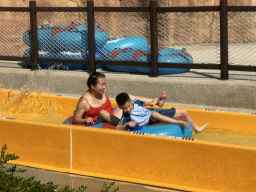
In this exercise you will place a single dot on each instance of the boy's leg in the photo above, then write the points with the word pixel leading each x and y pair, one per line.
pixel 105 116
pixel 158 117
pixel 183 112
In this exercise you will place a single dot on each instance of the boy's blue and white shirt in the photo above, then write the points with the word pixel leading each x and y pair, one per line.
pixel 139 114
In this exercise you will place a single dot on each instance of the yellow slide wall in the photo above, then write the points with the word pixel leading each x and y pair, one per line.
pixel 182 164
pixel 167 162
pixel 42 145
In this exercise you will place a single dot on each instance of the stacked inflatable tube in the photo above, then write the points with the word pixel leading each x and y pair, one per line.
pixel 73 40
pixel 165 55
pixel 57 42
pixel 133 42
pixel 63 55
pixel 42 54
pixel 155 129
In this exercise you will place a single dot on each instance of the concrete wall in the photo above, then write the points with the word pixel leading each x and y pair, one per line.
pixel 197 91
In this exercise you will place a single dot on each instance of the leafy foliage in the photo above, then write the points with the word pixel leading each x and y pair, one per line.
pixel 11 183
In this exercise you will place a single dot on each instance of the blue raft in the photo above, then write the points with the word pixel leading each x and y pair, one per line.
pixel 66 38
pixel 155 129
pixel 63 55
pixel 165 55
pixel 41 54
pixel 134 42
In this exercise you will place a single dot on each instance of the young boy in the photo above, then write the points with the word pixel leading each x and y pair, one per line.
pixel 134 113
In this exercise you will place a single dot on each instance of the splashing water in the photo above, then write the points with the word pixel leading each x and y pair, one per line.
pixel 35 106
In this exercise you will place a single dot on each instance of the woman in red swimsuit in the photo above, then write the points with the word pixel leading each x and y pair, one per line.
pixel 95 104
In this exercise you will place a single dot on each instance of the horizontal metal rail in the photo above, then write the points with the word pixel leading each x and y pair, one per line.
pixel 241 8
pixel 15 58
pixel 15 9
pixel 132 9
pixel 64 61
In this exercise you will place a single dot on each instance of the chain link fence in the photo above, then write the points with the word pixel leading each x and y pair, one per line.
pixel 125 36
pixel 242 38
pixel 12 27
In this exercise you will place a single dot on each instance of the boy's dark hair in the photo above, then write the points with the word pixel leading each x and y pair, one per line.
pixel 122 98
pixel 94 79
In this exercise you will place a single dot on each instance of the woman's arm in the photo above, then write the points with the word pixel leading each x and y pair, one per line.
pixel 81 108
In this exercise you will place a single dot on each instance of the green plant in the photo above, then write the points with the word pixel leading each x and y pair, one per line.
pixel 11 183
pixel 105 187
pixel 5 158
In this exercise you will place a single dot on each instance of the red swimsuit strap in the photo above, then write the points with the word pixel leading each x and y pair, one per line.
pixel 85 100
pixel 106 102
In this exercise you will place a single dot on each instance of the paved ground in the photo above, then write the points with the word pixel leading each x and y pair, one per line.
pixel 75 181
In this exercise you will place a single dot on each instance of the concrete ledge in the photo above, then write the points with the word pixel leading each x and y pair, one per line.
pixel 192 88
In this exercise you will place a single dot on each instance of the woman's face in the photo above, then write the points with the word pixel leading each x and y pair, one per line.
pixel 100 87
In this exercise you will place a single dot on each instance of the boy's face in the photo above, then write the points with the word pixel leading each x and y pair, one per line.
pixel 127 107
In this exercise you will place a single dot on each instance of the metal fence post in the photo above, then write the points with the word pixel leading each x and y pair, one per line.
pixel 153 38
pixel 91 35
pixel 33 35
pixel 224 39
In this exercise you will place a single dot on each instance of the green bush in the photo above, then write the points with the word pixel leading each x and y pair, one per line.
pixel 11 183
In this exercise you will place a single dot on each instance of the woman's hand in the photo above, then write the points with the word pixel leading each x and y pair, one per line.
pixel 89 120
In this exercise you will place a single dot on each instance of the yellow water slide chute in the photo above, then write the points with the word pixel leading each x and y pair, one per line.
pixel 160 161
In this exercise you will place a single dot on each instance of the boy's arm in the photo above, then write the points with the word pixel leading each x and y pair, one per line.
pixel 143 103
pixel 122 123
pixel 148 101
pixel 152 103
pixel 131 124
pixel 144 99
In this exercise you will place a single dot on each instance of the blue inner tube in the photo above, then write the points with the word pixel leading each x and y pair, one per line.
pixel 76 55
pixel 167 55
pixel 157 129
pixel 41 54
pixel 101 38
pixel 43 38
pixel 62 55
pixel 127 42
pixel 70 40
pixel 164 130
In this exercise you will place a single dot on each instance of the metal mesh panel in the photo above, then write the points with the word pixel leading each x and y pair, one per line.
pixel 60 31
pixel 197 32
pixel 242 38
pixel 60 18
pixel 12 27
pixel 127 33
pixel 122 25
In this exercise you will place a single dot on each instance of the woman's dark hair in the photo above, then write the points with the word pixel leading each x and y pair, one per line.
pixel 94 79
pixel 122 98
